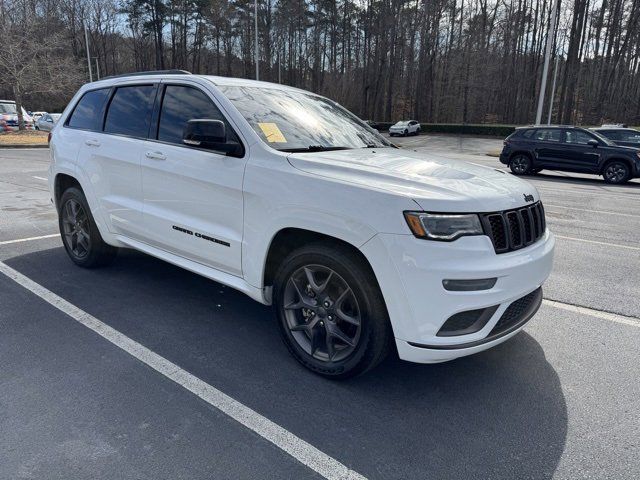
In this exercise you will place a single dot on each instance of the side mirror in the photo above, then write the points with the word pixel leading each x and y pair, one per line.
pixel 593 143
pixel 204 133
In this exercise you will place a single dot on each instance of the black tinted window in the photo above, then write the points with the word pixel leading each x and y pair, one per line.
pixel 130 109
pixel 577 136
pixel 547 135
pixel 181 104
pixel 87 112
pixel 629 136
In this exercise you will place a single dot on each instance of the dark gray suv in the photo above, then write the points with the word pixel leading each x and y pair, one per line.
pixel 571 149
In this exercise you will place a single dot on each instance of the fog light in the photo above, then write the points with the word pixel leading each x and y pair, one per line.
pixel 469 285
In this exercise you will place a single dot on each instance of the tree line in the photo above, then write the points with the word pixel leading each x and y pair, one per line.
pixel 440 61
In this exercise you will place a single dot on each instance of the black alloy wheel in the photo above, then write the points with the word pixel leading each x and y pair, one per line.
pixel 75 228
pixel 616 172
pixel 80 235
pixel 322 313
pixel 520 164
pixel 331 313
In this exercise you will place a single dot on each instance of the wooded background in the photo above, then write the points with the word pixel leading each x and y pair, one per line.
pixel 454 61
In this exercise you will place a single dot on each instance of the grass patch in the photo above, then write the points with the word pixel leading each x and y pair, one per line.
pixel 27 137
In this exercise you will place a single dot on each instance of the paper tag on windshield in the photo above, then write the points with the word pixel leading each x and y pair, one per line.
pixel 272 132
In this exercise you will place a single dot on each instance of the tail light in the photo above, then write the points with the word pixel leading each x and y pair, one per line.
pixel 49 138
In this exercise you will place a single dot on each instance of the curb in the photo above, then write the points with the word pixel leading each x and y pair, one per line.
pixel 26 145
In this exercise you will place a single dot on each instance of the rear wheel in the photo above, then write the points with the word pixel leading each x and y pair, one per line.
pixel 80 235
pixel 330 311
pixel 616 172
pixel 520 164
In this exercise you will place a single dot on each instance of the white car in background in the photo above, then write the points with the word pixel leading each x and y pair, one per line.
pixel 405 128
pixel 284 195
pixel 47 121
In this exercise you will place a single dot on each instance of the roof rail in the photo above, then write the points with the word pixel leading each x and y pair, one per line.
pixel 150 72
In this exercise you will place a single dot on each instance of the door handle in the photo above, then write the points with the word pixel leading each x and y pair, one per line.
pixel 155 155
pixel 92 143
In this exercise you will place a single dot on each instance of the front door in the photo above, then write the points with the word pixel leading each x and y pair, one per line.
pixel 580 156
pixel 193 201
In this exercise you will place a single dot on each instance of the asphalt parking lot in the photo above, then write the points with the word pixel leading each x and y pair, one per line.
pixel 558 401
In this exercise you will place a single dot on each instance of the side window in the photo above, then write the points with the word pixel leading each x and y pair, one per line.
pixel 577 137
pixel 612 134
pixel 629 136
pixel 547 135
pixel 129 111
pixel 528 134
pixel 181 104
pixel 87 112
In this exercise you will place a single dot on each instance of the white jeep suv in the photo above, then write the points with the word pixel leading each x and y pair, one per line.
pixel 286 196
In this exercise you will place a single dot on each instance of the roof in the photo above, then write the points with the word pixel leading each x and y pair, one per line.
pixel 216 80
pixel 550 126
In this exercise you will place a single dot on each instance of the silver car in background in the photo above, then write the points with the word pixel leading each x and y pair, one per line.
pixel 47 121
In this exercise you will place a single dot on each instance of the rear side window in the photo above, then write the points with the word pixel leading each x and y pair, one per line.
pixel 547 135
pixel 130 111
pixel 181 104
pixel 527 133
pixel 87 113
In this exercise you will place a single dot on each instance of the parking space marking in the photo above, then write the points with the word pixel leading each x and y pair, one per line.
pixel 548 205
pixel 629 247
pixel 29 239
pixel 40 178
pixel 302 451
pixel 612 317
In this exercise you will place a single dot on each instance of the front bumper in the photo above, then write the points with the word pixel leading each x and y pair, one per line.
pixel 410 272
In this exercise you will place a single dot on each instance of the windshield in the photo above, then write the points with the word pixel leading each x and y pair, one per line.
pixel 9 108
pixel 402 124
pixel 289 120
pixel 55 116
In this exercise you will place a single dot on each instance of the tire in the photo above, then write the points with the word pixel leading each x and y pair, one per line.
pixel 79 232
pixel 520 164
pixel 342 288
pixel 406 133
pixel 616 172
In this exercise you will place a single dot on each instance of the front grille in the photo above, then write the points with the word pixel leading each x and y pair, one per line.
pixel 518 311
pixel 514 229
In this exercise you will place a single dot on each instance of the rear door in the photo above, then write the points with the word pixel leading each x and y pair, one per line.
pixel 547 147
pixel 579 155
pixel 110 157
pixel 193 200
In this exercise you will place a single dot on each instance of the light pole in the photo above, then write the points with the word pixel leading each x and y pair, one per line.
pixel 86 40
pixel 553 89
pixel 255 18
pixel 547 54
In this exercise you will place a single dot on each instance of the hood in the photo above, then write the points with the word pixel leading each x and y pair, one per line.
pixel 436 183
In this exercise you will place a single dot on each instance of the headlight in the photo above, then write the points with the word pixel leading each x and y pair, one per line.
pixel 443 226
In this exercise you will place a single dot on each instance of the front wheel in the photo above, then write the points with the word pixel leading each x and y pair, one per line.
pixel 330 311
pixel 616 172
pixel 520 165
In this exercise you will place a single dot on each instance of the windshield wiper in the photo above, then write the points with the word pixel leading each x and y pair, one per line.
pixel 313 148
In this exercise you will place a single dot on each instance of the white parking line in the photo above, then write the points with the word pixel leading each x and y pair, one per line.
pixel 40 178
pixel 617 245
pixel 612 317
pixel 302 451
pixel 548 205
pixel 29 239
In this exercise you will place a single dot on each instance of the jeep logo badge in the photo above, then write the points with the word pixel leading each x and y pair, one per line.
pixel 528 198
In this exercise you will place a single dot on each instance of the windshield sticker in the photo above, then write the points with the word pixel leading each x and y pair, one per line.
pixel 272 133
